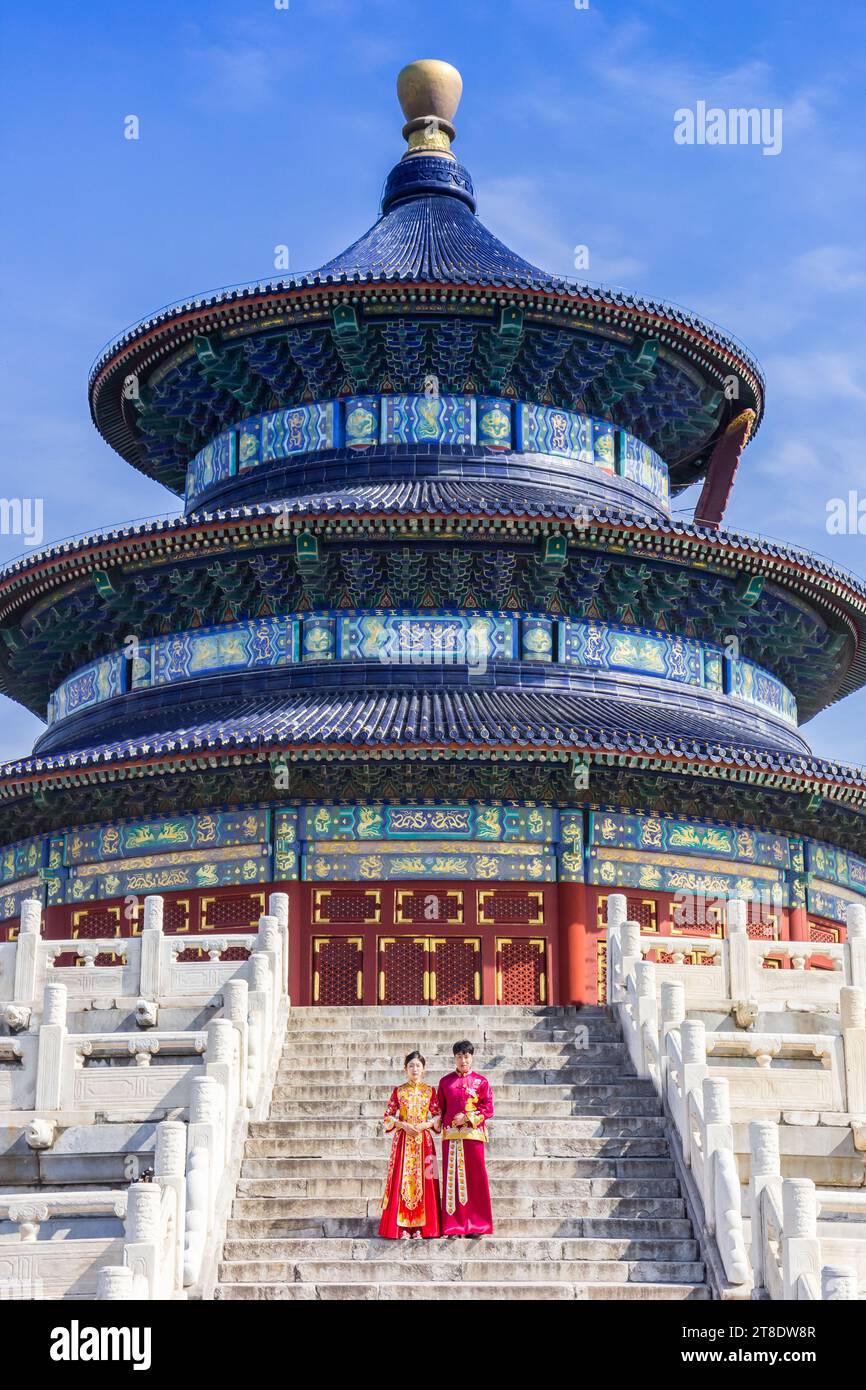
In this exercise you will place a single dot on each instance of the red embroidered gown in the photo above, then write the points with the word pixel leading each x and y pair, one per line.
pixel 411 1198
pixel 466 1210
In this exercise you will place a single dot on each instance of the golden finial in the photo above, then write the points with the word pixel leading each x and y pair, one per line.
pixel 429 92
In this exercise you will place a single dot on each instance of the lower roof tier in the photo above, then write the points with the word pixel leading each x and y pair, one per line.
pixel 429 545
pixel 410 652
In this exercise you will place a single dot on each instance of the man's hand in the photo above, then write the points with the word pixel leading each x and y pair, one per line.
pixel 460 1120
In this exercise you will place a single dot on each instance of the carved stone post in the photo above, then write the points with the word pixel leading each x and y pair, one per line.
pixel 52 1036
pixel 169 1170
pixel 236 1011
pixel 114 1282
pixel 855 920
pixel 672 1013
pixel 151 948
pixel 27 952
pixel 270 941
pixel 718 1134
pixel 693 1045
pixel 203 1170
pixel 739 980
pixel 278 906
pixel 221 1065
pixel 837 1282
pixel 852 1011
pixel 801 1249
pixel 646 1011
pixel 764 1171
pixel 616 913
pixel 142 1233
pixel 259 1019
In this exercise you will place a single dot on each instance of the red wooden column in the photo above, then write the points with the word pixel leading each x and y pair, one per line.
pixel 572 943
pixel 798 924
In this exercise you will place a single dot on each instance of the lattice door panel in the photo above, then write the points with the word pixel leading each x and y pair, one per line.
pixel 338 970
pixel 91 922
pixel 456 970
pixel 820 930
pixel 404 970
pixel 175 915
pixel 428 907
pixel 505 907
pixel 241 910
pixel 355 905
pixel 642 910
pixel 521 970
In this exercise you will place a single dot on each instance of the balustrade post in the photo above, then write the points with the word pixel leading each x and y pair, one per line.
pixel 278 906
pixel 616 913
pixel 801 1249
pixel 206 1149
pixel 169 1170
pixel 718 1134
pixel 739 980
pixel 27 949
pixel 114 1282
pixel 236 1012
pixel 838 1282
pixel 221 1063
pixel 143 1237
pixel 50 1059
pixel 764 1171
pixel 855 921
pixel 646 1011
pixel 852 1017
pixel 150 984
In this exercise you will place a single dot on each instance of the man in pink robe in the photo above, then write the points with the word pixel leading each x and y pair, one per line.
pixel 466 1103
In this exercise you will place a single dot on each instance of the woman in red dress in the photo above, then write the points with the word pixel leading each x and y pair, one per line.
pixel 410 1203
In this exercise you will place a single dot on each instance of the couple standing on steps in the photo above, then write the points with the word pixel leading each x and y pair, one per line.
pixel 458 1110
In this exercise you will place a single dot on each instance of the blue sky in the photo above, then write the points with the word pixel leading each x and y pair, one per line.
pixel 262 126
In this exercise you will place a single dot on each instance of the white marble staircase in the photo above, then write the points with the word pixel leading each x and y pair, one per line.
pixel 586 1203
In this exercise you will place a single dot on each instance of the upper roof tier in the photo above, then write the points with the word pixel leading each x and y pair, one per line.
pixel 427 292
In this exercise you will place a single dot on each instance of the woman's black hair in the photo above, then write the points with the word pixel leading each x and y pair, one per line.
pixel 464 1046
pixel 414 1056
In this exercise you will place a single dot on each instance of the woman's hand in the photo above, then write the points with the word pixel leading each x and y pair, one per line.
pixel 411 1130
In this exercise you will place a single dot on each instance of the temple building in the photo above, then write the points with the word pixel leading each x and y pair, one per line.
pixel 426 648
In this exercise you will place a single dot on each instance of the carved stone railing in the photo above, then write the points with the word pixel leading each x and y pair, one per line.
pixel 731 975
pixel 218 1078
pixel 672 1050
pixel 144 972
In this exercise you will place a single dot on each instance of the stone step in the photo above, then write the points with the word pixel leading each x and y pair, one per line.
pixel 583 1103
pixel 391 1052
pixel 246 1229
pixel 374 1016
pixel 371 1188
pixel 382 1055
pixel 383 1079
pixel 421 1270
pixel 502 1145
pixel 474 1292
pixel 524 1248
pixel 524 1170
pixel 577 1129
pixel 262 1207
pixel 324 1086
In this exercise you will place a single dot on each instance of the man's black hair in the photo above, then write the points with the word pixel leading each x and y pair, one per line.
pixel 464 1046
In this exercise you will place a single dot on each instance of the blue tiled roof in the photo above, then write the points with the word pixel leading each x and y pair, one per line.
pixel 523 719
pixel 435 239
